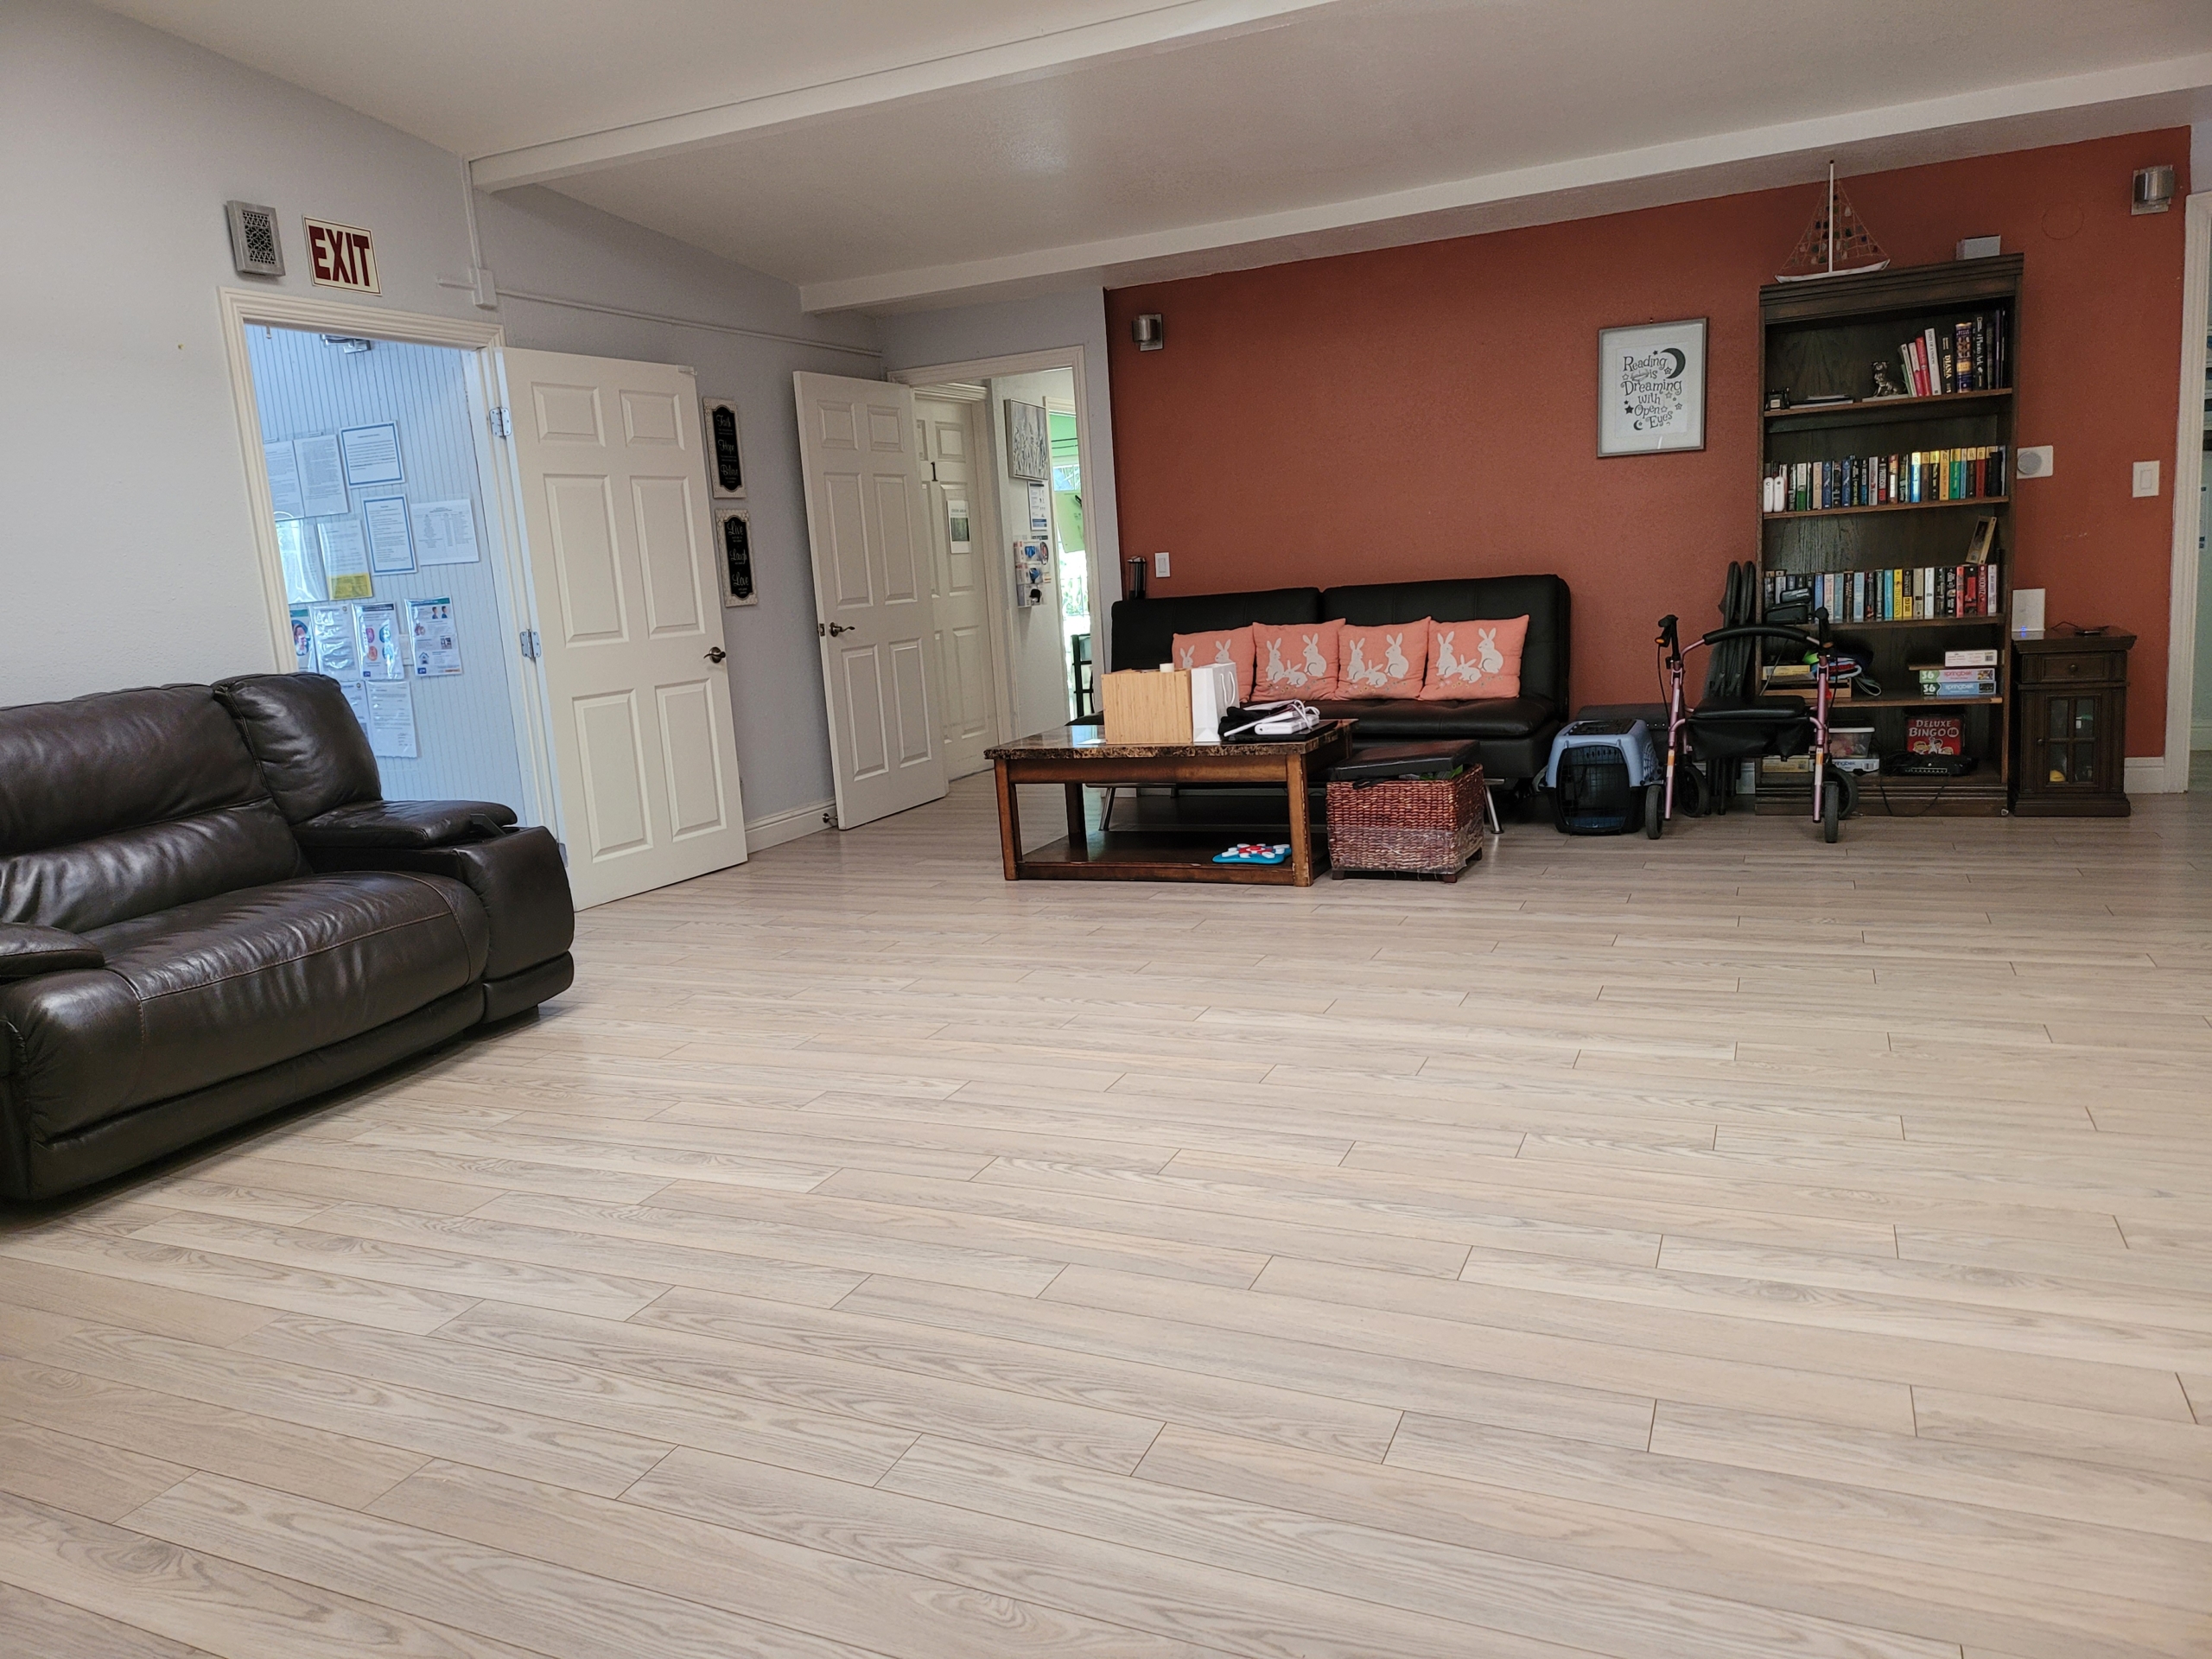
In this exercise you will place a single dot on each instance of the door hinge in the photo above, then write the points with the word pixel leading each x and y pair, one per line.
pixel 501 426
pixel 529 644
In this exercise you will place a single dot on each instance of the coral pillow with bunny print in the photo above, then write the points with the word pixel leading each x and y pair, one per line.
pixel 1475 659
pixel 1235 648
pixel 1295 660
pixel 1382 662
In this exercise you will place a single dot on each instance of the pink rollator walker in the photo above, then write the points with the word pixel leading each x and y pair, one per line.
pixel 1728 726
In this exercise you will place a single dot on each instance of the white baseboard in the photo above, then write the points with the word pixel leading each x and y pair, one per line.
pixel 2146 775
pixel 777 828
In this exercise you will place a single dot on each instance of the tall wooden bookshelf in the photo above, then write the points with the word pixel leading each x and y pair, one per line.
pixel 1823 338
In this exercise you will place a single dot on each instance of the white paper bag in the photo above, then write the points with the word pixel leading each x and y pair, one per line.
pixel 1213 693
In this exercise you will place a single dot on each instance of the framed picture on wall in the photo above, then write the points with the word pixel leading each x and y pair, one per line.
pixel 1028 447
pixel 1651 388
pixel 734 537
pixel 725 463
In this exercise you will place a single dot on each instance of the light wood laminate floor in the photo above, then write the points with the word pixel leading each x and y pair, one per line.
pixel 1724 1249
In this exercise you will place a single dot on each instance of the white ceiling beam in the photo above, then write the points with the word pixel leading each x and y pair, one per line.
pixel 1183 24
pixel 2174 90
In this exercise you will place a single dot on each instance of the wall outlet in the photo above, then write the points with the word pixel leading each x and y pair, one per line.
pixel 1160 566
pixel 2036 462
pixel 2146 477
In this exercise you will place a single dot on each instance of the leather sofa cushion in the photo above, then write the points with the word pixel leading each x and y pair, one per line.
pixel 405 823
pixel 302 730
pixel 25 950
pixel 224 985
pixel 1471 717
pixel 1145 629
pixel 127 803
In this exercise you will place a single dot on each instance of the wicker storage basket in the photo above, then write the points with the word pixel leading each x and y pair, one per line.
pixel 1414 826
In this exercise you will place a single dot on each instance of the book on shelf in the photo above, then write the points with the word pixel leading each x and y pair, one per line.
pixel 1910 478
pixel 1936 681
pixel 1929 593
pixel 1967 356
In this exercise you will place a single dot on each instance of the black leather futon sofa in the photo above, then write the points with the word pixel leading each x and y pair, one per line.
pixel 208 911
pixel 1513 735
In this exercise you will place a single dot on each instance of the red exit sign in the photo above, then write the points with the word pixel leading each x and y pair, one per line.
pixel 340 255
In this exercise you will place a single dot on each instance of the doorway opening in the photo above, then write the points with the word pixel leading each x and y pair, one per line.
pixel 377 507
pixel 1044 655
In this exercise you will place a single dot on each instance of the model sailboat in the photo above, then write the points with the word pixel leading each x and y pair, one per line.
pixel 1836 243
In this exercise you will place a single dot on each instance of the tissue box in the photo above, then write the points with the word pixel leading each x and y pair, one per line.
pixel 1146 705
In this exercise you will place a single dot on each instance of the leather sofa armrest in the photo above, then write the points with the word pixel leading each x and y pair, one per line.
pixel 404 823
pixel 26 950
pixel 518 876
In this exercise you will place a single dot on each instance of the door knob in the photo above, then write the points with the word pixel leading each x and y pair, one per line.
pixel 716 654
pixel 831 630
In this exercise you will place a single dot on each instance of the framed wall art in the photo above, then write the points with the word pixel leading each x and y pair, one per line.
pixel 733 538
pixel 1028 446
pixel 1651 388
pixel 725 464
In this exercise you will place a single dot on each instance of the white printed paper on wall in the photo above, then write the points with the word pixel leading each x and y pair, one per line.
pixel 1041 511
pixel 433 640
pixel 383 651
pixel 344 557
pixel 303 642
pixel 322 477
pixel 445 531
pixel 391 720
pixel 391 550
pixel 372 454
pixel 284 479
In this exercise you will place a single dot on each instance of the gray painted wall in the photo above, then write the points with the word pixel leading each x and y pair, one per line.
pixel 129 558
pixel 539 242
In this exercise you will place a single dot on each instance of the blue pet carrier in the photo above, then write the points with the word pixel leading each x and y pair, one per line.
pixel 1603 776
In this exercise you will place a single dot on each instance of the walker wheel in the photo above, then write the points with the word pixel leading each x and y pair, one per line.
pixel 1655 805
pixel 1831 810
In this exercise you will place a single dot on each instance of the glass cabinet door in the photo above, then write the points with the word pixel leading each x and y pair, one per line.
pixel 2070 742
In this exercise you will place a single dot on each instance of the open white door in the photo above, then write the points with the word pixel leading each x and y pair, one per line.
pixel 613 491
pixel 970 684
pixel 870 545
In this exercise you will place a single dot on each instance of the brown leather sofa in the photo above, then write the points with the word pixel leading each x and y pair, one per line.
pixel 208 911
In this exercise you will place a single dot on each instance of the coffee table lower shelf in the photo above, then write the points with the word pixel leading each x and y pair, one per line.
pixel 1156 855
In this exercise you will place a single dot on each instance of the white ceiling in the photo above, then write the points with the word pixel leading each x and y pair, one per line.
pixel 882 156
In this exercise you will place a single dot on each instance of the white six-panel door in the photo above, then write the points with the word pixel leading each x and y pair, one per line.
pixel 613 497
pixel 968 671
pixel 869 540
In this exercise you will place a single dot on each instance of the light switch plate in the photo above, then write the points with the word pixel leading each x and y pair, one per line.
pixel 2146 477
pixel 1160 566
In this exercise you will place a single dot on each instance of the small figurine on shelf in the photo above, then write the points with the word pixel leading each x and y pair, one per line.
pixel 1884 386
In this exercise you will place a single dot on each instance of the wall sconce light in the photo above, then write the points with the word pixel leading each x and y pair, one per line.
pixel 1147 333
pixel 2154 190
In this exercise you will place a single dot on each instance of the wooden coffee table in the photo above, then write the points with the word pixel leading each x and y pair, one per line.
pixel 1079 756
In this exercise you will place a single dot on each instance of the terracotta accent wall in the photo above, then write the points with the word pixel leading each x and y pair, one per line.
pixel 1432 411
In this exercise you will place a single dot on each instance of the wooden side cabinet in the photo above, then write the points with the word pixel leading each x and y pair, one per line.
pixel 2070 725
